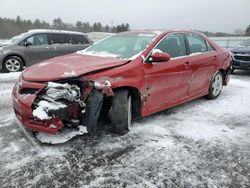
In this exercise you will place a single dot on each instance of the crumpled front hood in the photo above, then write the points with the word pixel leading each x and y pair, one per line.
pixel 67 66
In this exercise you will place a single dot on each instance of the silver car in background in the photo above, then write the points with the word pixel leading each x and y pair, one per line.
pixel 37 45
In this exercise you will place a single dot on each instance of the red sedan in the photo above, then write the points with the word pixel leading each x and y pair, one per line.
pixel 123 77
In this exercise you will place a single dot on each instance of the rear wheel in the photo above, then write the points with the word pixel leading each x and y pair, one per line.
pixel 216 85
pixel 121 111
pixel 13 64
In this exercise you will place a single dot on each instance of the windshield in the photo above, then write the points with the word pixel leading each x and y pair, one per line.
pixel 15 38
pixel 120 46
pixel 245 43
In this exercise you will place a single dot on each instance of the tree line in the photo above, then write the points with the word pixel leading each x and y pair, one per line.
pixel 221 34
pixel 11 27
pixel 247 32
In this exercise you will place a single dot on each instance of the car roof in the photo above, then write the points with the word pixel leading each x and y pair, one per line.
pixel 159 31
pixel 55 31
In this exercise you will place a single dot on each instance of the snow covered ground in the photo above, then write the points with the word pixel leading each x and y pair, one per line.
pixel 199 144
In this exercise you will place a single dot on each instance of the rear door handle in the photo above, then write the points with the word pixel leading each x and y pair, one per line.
pixel 46 47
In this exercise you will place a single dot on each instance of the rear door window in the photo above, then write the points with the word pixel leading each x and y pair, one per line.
pixel 173 44
pixel 38 39
pixel 59 38
pixel 196 44
pixel 79 39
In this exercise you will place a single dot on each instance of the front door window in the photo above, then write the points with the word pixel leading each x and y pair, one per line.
pixel 174 45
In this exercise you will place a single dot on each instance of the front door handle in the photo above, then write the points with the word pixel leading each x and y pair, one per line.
pixel 46 47
pixel 187 64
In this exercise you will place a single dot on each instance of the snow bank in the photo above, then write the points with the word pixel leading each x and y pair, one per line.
pixel 9 77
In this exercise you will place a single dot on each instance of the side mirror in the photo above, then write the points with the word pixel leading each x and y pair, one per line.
pixel 160 57
pixel 27 43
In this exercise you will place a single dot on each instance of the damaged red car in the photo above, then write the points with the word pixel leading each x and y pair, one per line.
pixel 123 77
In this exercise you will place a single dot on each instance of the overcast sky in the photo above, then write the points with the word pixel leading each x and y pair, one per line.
pixel 211 15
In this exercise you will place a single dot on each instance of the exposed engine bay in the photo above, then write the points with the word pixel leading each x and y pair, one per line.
pixel 55 99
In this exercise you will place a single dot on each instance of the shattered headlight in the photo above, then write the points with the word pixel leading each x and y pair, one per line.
pixel 102 84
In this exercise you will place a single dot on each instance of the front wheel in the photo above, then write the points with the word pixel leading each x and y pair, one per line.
pixel 13 64
pixel 216 85
pixel 121 111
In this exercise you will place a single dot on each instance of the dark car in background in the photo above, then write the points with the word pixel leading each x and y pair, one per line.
pixel 241 56
pixel 37 45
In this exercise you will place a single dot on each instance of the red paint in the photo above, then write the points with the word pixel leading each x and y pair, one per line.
pixel 161 85
pixel 73 64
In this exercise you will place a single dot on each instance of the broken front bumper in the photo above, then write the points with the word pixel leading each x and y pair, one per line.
pixel 77 105
pixel 22 104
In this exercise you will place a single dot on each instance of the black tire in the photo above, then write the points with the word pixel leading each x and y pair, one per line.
pixel 232 71
pixel 121 111
pixel 13 64
pixel 216 85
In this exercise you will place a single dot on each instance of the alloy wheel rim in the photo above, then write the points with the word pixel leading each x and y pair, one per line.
pixel 12 65
pixel 217 85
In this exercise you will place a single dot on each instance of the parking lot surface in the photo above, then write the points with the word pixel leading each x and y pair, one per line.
pixel 203 143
